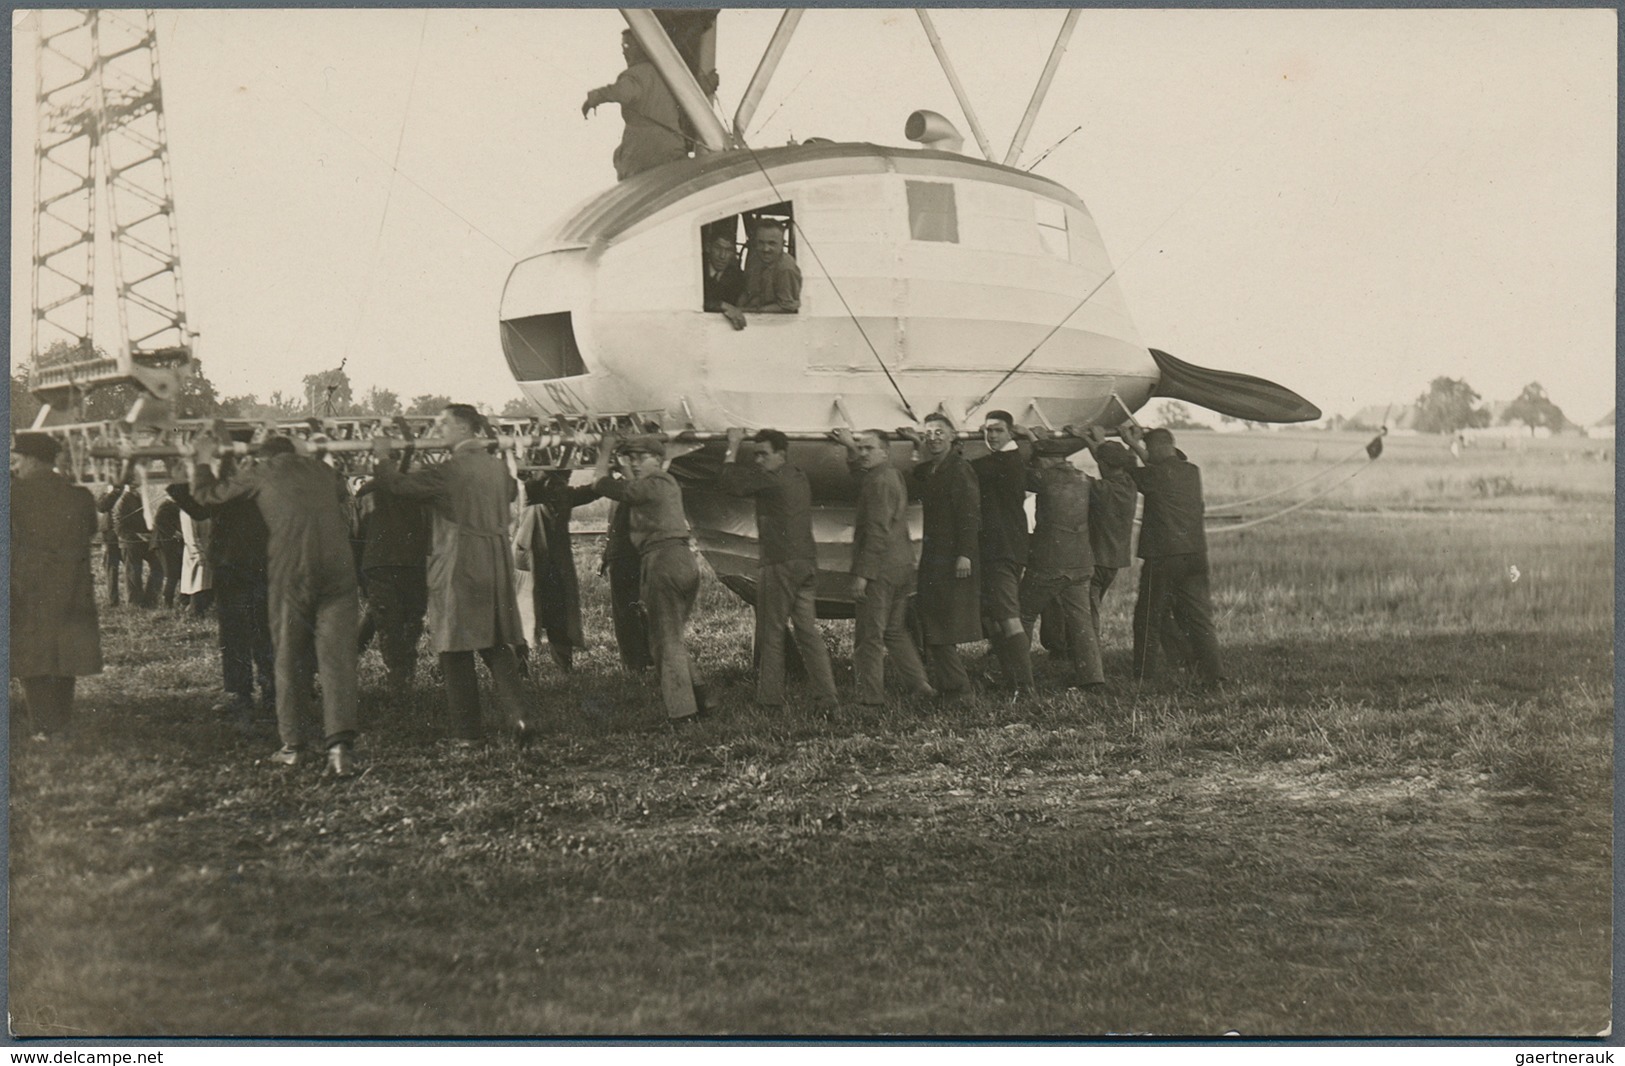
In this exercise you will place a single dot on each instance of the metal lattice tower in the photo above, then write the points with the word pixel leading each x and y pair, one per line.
pixel 102 156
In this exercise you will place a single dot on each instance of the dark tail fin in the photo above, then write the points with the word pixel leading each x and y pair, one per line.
pixel 1237 395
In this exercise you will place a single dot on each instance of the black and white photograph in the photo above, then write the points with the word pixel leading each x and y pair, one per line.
pixel 835 523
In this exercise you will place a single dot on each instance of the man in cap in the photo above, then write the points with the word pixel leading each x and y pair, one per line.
pixel 1001 480
pixel 669 579
pixel 1060 563
pixel 1173 554
pixel 948 595
pixel 787 577
pixel 883 573
pixel 472 604
pixel 312 589
pixel 54 633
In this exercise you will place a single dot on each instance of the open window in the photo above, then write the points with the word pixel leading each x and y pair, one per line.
pixel 540 347
pixel 933 214
pixel 725 250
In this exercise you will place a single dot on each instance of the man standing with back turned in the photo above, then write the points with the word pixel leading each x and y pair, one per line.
pixel 786 589
pixel 312 589
pixel 472 605
pixel 1173 553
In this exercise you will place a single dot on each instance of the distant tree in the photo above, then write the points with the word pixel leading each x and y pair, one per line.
pixel 278 407
pixel 1534 409
pixel 1246 423
pixel 382 402
pixel 329 393
pixel 1448 407
pixel 519 407
pixel 1171 414
pixel 427 404
pixel 199 398
pixel 23 405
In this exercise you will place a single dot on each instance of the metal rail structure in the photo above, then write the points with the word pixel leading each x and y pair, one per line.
pixel 102 179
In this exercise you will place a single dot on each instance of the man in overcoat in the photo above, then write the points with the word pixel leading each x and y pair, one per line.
pixel 949 591
pixel 787 575
pixel 1001 479
pixel 1060 562
pixel 472 603
pixel 620 564
pixel 555 586
pixel 669 578
pixel 883 573
pixel 54 633
pixel 1174 594
pixel 311 587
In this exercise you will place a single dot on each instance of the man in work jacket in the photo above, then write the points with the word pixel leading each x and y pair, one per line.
pixel 653 132
pixel 1001 479
pixel 787 578
pixel 1060 563
pixel 312 589
pixel 669 579
pixel 948 596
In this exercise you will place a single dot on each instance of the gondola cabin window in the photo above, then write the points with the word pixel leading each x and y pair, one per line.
pixel 1052 232
pixel 726 258
pixel 932 213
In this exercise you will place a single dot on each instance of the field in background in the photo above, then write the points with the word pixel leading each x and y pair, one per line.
pixel 1395 820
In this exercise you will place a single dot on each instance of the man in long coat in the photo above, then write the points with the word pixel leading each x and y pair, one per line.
pixel 669 578
pixel 311 588
pixel 54 634
pixel 620 564
pixel 555 588
pixel 949 592
pixel 472 605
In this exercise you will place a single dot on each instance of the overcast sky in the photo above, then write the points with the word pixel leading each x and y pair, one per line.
pixel 1348 202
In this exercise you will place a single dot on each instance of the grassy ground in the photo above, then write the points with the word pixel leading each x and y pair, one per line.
pixel 1396 820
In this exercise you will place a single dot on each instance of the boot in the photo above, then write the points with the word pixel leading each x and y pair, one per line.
pixel 1015 656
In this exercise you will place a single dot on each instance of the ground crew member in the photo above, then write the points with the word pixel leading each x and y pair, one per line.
pixel 620 563
pixel 55 638
pixel 883 573
pixel 1001 480
pixel 312 589
pixel 947 598
pixel 1112 498
pixel 472 605
pixel 653 132
pixel 1173 553
pixel 787 578
pixel 130 525
pixel 669 579
pixel 394 558
pixel 1060 563
pixel 555 588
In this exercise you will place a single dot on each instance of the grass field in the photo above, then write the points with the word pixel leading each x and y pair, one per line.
pixel 1395 820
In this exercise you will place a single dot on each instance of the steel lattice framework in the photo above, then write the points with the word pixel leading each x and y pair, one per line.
pixel 102 178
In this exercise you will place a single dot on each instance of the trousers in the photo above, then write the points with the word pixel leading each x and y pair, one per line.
pixel 787 596
pixel 245 632
pixel 1175 603
pixel 1071 595
pixel 626 613
pixel 140 573
pixel 315 633
pixel 881 630
pixel 397 600
pixel 463 689
pixel 670 584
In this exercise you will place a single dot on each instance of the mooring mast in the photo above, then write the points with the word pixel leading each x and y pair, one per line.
pixel 102 178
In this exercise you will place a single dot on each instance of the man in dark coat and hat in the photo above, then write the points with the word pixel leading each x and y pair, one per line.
pixel 54 634
pixel 948 595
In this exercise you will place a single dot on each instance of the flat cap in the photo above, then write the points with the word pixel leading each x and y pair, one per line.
pixel 41 446
pixel 1111 453
pixel 643 444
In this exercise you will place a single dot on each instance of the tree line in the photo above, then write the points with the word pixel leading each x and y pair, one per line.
pixel 327 393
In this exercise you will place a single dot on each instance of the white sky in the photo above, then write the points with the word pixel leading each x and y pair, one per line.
pixel 1348 202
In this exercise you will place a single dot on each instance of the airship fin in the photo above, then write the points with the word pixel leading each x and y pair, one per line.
pixel 1228 393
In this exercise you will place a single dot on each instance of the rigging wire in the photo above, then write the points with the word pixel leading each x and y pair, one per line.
pixel 389 190
pixel 1306 501
pixel 1295 485
pixel 1028 169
